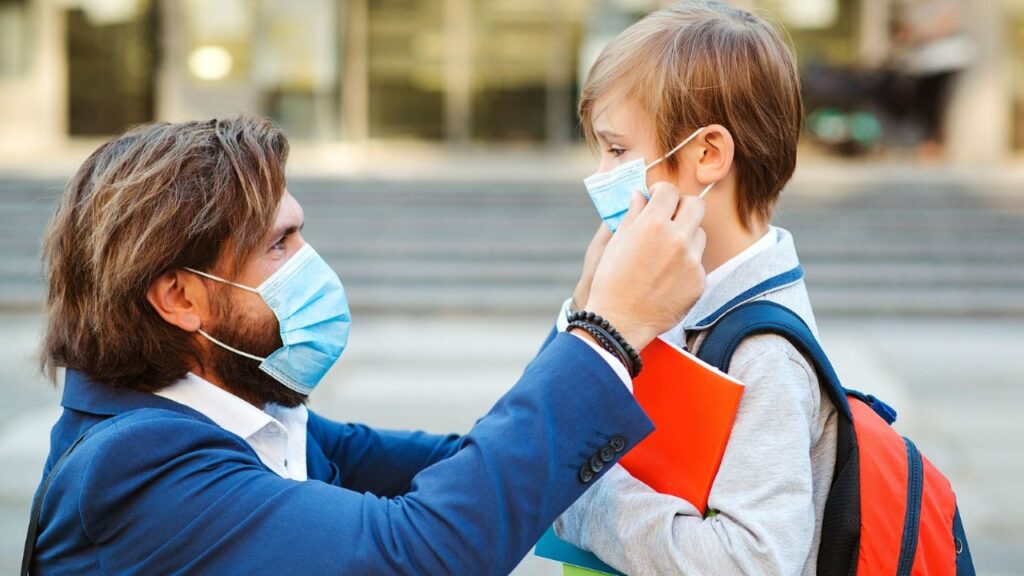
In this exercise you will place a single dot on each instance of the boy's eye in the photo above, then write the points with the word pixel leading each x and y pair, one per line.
pixel 616 151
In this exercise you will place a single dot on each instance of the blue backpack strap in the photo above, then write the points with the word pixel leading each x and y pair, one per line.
pixel 763 317
pixel 840 530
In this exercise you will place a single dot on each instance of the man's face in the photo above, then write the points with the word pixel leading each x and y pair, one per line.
pixel 242 320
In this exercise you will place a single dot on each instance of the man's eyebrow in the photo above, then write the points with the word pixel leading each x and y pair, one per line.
pixel 283 231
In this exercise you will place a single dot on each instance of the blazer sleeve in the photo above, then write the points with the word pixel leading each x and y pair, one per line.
pixel 382 462
pixel 173 493
pixel 551 338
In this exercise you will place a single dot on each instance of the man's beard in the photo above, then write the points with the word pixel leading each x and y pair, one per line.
pixel 241 375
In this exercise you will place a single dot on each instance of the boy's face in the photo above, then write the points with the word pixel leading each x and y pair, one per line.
pixel 625 132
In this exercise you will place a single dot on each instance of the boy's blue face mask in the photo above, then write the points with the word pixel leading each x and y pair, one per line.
pixel 312 310
pixel 611 191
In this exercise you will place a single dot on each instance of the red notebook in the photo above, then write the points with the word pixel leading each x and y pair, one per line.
pixel 693 406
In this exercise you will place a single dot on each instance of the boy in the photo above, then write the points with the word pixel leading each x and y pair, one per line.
pixel 724 77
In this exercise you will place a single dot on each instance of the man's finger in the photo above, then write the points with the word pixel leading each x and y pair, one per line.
pixel 602 235
pixel 664 200
pixel 690 212
pixel 698 243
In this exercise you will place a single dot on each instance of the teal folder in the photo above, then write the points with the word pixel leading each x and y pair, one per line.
pixel 554 548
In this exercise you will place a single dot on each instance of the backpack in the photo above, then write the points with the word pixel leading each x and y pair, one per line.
pixel 889 510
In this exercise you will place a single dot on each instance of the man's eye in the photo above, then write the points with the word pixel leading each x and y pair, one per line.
pixel 616 151
pixel 279 245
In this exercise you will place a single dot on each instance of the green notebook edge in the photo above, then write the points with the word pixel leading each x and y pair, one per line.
pixel 570 570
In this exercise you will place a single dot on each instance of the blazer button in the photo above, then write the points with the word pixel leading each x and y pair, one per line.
pixel 596 464
pixel 586 475
pixel 618 443
pixel 606 453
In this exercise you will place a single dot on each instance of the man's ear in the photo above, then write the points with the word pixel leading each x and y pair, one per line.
pixel 715 148
pixel 180 299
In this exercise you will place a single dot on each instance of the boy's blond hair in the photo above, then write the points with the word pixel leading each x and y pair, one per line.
pixel 702 63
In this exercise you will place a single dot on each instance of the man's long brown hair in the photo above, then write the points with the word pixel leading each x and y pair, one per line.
pixel 157 198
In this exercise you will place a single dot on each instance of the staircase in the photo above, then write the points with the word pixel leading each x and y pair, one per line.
pixel 504 247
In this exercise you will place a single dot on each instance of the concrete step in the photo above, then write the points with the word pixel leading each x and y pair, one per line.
pixel 503 246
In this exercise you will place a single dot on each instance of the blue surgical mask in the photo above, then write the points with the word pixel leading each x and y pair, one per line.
pixel 611 191
pixel 312 310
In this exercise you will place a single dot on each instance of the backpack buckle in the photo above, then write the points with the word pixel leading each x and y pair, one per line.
pixel 887 413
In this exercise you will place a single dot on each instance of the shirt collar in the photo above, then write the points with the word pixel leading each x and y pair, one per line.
pixel 769 271
pixel 769 265
pixel 277 434
pixel 226 410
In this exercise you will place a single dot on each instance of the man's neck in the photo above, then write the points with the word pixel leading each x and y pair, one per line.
pixel 212 378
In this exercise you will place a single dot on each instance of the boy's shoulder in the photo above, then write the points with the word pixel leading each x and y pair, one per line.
pixel 768 356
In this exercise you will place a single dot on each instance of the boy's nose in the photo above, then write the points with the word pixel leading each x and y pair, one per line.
pixel 606 165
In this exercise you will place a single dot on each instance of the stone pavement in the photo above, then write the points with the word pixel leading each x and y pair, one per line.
pixel 956 383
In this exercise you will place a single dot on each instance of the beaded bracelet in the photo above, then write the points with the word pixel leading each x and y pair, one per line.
pixel 604 340
pixel 608 338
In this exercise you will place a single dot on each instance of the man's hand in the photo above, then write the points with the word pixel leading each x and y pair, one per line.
pixel 590 262
pixel 651 273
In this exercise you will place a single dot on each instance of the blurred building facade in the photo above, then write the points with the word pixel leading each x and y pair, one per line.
pixel 447 71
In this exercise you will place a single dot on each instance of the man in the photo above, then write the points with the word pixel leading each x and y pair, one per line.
pixel 193 321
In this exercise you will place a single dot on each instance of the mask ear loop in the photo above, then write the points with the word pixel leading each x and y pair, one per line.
pixel 676 149
pixel 219 279
pixel 211 338
pixel 229 348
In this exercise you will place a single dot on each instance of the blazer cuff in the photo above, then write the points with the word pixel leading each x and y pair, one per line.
pixel 562 323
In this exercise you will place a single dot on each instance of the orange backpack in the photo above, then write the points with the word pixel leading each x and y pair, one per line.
pixel 889 510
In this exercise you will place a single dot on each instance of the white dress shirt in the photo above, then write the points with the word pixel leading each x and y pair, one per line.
pixel 277 434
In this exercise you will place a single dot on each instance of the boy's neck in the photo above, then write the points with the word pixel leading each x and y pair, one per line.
pixel 728 237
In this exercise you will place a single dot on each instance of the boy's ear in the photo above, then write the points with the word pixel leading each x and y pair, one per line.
pixel 716 148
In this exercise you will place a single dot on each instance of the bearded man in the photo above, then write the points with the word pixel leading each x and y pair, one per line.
pixel 191 321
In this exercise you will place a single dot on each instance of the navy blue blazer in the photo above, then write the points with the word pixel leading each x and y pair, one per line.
pixel 163 489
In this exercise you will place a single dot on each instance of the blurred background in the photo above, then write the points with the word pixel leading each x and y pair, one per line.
pixel 496 72
pixel 438 157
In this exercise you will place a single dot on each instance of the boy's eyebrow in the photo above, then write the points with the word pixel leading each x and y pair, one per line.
pixel 608 134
